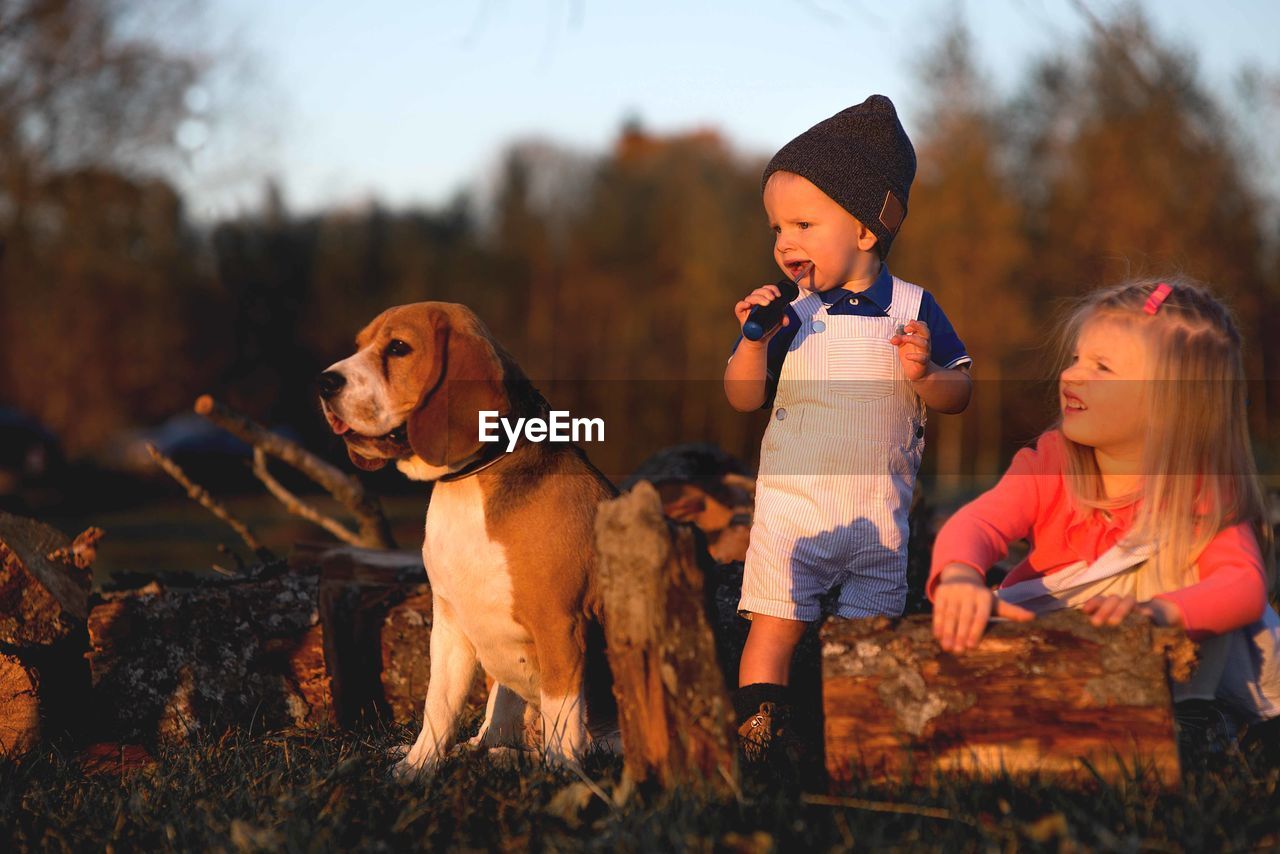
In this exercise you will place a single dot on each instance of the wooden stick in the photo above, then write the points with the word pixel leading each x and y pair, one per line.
pixel 201 496
pixel 885 806
pixel 375 532
pixel 296 506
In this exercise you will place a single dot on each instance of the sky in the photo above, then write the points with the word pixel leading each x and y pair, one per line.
pixel 408 102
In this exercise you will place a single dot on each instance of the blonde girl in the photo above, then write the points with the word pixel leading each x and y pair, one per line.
pixel 1144 496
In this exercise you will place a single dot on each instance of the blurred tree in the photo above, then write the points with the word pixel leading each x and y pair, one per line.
pixel 104 327
pixel 91 331
pixel 673 233
pixel 527 262
pixel 264 265
pixel 964 241
pixel 1135 169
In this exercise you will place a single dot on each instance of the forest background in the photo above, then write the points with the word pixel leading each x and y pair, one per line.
pixel 609 275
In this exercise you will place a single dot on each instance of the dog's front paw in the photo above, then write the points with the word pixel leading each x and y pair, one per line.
pixel 414 767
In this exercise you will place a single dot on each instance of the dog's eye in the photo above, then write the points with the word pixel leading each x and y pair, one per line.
pixel 398 348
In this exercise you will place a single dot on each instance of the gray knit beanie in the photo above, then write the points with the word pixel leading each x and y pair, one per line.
pixel 861 158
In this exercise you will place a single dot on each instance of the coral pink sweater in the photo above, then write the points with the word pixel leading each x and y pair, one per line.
pixel 1033 501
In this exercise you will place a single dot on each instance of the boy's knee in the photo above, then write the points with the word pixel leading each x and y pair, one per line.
pixel 778 629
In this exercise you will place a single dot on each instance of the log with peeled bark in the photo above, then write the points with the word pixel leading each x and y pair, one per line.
pixel 673 703
pixel 1057 697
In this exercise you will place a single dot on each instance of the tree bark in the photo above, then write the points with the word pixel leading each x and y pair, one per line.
pixel 44 586
pixel 1055 697
pixel 673 705
pixel 168 664
pixel 43 593
pixel 375 606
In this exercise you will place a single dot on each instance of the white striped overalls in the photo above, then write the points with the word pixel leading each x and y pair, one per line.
pixel 837 467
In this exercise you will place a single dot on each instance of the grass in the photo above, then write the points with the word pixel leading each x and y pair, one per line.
pixel 328 790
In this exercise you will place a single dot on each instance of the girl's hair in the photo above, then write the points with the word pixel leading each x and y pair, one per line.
pixel 1199 475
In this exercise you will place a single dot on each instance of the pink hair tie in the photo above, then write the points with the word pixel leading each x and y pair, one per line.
pixel 1157 298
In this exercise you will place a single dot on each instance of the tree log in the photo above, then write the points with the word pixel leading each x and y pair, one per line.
pixel 43 593
pixel 19 708
pixel 673 705
pixel 44 586
pixel 166 664
pixel 375 606
pixel 1054 697
pixel 406 659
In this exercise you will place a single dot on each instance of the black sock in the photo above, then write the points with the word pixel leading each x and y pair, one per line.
pixel 747 699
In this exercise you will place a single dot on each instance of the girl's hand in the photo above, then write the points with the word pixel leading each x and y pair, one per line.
pixel 760 296
pixel 914 349
pixel 962 606
pixel 1111 610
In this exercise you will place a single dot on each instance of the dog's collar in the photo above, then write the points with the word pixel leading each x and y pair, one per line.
pixel 481 460
pixel 475 465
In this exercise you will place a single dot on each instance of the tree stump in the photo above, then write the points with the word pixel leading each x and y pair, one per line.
pixel 673 705
pixel 1044 698
pixel 406 658
pixel 167 664
pixel 375 606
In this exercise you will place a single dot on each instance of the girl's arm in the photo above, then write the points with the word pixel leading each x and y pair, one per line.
pixel 1232 589
pixel 974 538
pixel 979 533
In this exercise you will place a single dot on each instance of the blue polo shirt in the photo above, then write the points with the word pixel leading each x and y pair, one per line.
pixel 947 350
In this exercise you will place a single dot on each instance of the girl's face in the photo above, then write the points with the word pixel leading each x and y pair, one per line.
pixel 1103 392
pixel 815 239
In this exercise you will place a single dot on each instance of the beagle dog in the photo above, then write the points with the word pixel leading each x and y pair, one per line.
pixel 509 548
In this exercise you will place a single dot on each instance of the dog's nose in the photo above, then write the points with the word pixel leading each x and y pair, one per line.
pixel 330 383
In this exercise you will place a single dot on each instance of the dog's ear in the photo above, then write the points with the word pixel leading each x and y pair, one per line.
pixel 467 377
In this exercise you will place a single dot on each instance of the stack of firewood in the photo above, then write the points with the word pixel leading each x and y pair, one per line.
pixel 44 595
pixel 338 635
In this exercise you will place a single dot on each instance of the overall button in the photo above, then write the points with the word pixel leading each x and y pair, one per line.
pixel 819 326
pixel 781 414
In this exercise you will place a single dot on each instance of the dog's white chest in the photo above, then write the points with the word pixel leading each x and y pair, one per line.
pixel 469 571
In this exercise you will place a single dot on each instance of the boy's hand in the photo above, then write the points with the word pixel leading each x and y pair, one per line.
pixel 760 296
pixel 914 349
pixel 1111 610
pixel 962 606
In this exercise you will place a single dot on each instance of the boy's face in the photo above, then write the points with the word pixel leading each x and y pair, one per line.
pixel 814 236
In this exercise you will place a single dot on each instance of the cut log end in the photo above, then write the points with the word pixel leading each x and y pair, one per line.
pixel 19 708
